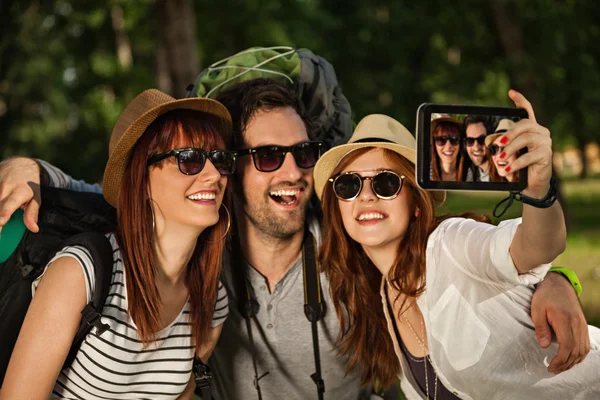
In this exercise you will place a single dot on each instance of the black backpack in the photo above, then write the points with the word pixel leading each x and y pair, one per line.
pixel 66 218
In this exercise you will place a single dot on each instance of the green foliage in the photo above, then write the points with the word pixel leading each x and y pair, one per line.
pixel 62 85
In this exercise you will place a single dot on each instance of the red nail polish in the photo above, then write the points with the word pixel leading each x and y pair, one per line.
pixel 503 154
pixel 504 140
pixel 507 169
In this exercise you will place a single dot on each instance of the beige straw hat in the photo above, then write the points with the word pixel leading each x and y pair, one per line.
pixel 503 126
pixel 372 131
pixel 137 116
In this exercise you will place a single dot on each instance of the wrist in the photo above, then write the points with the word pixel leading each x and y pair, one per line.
pixel 561 275
pixel 537 193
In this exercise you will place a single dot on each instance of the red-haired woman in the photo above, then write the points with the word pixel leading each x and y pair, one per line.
pixel 447 158
pixel 455 321
pixel 166 175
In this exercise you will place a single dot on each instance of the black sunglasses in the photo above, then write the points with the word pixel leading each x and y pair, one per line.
pixel 191 161
pixel 441 140
pixel 386 185
pixel 479 139
pixel 270 158
pixel 495 149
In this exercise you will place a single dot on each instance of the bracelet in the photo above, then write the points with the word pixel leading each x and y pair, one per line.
pixel 545 202
pixel 571 277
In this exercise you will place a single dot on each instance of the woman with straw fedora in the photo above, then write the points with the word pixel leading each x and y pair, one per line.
pixel 499 159
pixel 442 303
pixel 167 177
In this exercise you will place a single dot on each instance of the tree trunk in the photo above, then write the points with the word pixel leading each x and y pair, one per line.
pixel 510 36
pixel 581 143
pixel 122 40
pixel 177 53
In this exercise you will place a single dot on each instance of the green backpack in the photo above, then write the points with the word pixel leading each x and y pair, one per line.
pixel 311 75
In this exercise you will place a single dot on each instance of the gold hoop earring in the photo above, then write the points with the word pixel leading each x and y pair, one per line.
pixel 151 212
pixel 226 230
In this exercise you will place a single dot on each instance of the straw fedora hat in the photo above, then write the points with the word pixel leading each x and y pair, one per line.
pixel 437 121
pixel 503 126
pixel 374 130
pixel 137 116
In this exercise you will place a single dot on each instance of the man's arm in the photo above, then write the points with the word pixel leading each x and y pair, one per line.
pixel 555 307
pixel 20 180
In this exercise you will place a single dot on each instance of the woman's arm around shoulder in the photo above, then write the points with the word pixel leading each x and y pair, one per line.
pixel 48 330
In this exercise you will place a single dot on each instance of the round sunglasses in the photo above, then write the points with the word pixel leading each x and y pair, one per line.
pixel 191 160
pixel 495 149
pixel 385 184
pixel 271 158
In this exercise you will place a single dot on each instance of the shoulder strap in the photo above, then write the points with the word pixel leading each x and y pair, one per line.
pixel 313 303
pixel 102 256
pixel 247 305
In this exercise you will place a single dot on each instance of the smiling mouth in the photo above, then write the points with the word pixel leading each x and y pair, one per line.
pixel 372 216
pixel 502 163
pixel 477 154
pixel 448 154
pixel 202 196
pixel 285 197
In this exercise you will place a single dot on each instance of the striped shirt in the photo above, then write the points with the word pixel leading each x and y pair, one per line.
pixel 115 365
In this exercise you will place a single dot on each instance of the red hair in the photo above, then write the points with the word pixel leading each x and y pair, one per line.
pixel 446 129
pixel 355 281
pixel 199 130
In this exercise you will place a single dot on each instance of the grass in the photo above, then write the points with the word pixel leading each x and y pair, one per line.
pixel 582 254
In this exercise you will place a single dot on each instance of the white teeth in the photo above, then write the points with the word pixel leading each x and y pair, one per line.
pixel 502 163
pixel 448 153
pixel 202 196
pixel 370 216
pixel 282 192
pixel 477 154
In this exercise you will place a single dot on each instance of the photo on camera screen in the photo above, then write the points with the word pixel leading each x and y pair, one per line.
pixel 464 150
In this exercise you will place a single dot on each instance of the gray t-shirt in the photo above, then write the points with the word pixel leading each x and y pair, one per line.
pixel 283 340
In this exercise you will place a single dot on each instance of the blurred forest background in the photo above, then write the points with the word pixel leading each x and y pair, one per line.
pixel 68 68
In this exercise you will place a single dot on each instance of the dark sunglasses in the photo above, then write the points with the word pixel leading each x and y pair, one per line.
pixel 271 158
pixel 441 140
pixel 386 185
pixel 495 149
pixel 479 139
pixel 191 161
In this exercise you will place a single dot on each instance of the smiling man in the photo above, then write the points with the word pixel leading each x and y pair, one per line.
pixel 271 357
pixel 476 131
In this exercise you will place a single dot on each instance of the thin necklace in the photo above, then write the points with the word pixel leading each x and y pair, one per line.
pixel 422 344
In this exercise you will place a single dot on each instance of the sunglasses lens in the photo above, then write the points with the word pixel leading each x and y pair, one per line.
pixel 454 140
pixel 224 161
pixel 191 162
pixel 440 140
pixel 470 141
pixel 307 154
pixel 386 184
pixel 493 148
pixel 347 186
pixel 268 159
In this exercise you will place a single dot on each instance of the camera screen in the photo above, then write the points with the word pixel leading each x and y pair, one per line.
pixel 468 148
pixel 461 147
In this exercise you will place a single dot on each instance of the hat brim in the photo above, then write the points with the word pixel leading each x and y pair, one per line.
pixel 119 157
pixel 331 159
pixel 489 139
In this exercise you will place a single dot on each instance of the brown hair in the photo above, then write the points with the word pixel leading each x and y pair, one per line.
pixel 245 99
pixel 450 129
pixel 355 281
pixel 135 239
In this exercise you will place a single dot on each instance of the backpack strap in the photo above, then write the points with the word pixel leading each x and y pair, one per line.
pixel 202 377
pixel 247 305
pixel 102 256
pixel 313 303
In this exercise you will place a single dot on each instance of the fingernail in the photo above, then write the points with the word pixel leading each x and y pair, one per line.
pixel 503 154
pixel 504 140
pixel 507 169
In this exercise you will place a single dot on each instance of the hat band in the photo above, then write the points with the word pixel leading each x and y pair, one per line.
pixel 373 140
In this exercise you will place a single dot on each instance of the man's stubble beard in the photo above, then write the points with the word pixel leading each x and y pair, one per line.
pixel 272 223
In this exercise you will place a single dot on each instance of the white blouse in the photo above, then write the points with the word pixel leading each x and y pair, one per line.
pixel 481 337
